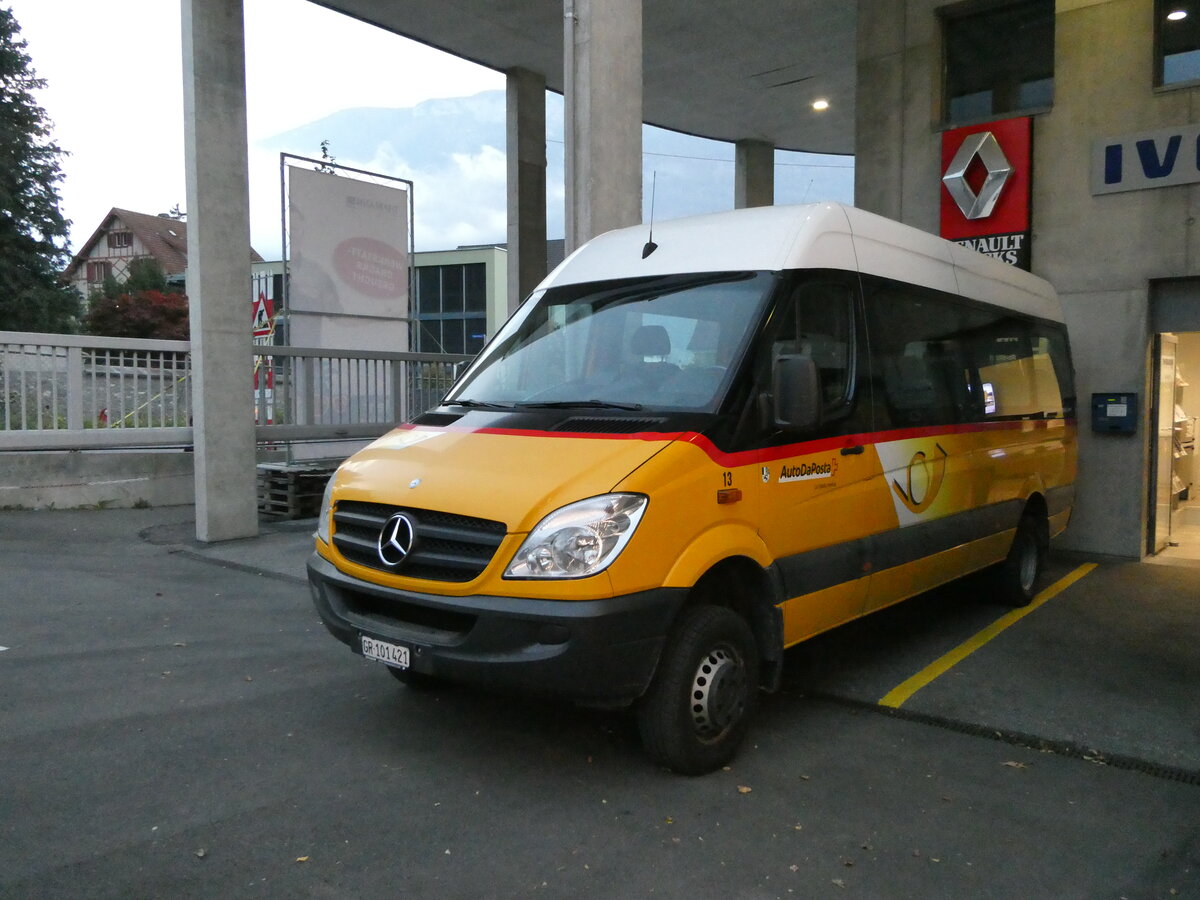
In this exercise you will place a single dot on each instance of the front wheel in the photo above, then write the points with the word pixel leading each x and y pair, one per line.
pixel 697 710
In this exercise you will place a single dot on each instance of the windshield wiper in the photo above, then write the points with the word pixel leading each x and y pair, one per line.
pixel 479 404
pixel 578 404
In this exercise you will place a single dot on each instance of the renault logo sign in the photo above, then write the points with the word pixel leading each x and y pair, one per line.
pixel 984 146
pixel 989 214
pixel 395 540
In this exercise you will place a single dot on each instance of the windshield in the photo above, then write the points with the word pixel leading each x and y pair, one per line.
pixel 668 342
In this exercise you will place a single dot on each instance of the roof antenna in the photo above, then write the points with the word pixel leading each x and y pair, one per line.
pixel 650 245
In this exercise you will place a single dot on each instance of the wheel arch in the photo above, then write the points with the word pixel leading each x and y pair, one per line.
pixel 739 583
pixel 1037 509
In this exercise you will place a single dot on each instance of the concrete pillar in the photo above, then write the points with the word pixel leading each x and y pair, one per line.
pixel 526 151
pixel 753 174
pixel 218 276
pixel 602 56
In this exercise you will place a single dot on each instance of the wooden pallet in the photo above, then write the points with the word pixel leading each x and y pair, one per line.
pixel 292 491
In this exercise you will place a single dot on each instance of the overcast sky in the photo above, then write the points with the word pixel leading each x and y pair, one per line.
pixel 115 92
pixel 115 97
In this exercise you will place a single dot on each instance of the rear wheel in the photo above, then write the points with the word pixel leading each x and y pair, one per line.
pixel 697 710
pixel 1018 575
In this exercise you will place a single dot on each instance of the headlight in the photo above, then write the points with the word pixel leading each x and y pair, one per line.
pixel 323 518
pixel 580 539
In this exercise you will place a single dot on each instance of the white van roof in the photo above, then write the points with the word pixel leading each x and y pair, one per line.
pixel 815 235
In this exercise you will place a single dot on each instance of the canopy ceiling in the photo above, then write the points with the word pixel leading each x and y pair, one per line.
pixel 727 69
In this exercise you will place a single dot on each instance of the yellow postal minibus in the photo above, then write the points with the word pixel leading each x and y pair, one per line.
pixel 680 457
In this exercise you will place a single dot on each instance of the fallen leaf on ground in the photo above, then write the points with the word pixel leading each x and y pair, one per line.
pixel 1015 765
pixel 742 789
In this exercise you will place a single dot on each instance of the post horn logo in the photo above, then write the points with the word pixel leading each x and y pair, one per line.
pixel 924 480
pixel 984 146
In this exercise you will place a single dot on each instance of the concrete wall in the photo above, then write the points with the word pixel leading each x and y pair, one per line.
pixel 76 478
pixel 1100 252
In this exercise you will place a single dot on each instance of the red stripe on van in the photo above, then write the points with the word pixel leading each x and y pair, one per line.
pixel 764 454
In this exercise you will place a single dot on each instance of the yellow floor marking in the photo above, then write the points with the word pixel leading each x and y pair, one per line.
pixel 899 694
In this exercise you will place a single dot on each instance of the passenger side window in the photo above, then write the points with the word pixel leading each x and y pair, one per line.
pixel 1020 372
pixel 939 360
pixel 918 359
pixel 817 323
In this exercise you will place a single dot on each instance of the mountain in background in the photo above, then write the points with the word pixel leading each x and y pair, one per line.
pixel 453 152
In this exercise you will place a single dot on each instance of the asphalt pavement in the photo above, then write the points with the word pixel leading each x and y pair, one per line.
pixel 175 722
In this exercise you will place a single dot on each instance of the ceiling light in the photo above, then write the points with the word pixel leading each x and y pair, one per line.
pixel 1176 15
pixel 820 105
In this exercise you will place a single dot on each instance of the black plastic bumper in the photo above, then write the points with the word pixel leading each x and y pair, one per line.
pixel 598 651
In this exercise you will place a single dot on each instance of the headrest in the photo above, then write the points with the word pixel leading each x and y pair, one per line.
pixel 651 340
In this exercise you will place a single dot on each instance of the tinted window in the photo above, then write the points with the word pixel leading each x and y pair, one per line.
pixel 939 360
pixel 817 322
pixel 999 60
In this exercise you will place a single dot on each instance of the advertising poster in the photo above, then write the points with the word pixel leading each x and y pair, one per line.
pixel 349 262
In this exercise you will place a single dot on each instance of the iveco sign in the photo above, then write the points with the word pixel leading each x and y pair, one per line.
pixel 1149 159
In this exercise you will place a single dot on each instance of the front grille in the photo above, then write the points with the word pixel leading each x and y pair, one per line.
pixel 382 613
pixel 446 547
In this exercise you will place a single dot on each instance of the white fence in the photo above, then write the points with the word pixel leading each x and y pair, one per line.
pixel 65 392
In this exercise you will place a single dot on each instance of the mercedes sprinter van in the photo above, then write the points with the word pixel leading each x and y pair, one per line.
pixel 680 457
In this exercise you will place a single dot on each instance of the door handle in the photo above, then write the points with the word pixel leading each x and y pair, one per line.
pixel 852 451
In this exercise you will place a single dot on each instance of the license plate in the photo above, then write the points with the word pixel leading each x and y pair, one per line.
pixel 392 654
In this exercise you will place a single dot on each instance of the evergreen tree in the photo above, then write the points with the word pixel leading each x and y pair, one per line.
pixel 33 232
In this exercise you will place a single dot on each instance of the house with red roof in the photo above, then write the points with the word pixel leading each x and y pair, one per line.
pixel 124 236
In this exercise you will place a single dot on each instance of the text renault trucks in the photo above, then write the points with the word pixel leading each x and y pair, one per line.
pixel 679 458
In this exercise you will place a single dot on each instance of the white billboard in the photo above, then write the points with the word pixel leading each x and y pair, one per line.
pixel 348 268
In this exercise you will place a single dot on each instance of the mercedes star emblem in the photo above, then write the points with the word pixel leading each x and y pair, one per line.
pixel 395 540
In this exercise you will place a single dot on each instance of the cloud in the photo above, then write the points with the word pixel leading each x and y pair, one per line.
pixel 433 119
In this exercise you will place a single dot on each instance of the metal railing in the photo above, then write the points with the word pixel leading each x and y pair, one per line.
pixel 306 394
pixel 60 392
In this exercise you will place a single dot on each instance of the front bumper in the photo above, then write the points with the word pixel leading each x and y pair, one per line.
pixel 597 651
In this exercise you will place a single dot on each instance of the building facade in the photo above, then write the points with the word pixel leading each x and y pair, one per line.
pixel 460 298
pixel 124 236
pixel 1109 88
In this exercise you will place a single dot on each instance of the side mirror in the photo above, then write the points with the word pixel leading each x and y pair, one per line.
pixel 796 393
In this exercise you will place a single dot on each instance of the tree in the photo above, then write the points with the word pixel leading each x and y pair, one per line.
pixel 159 315
pixel 143 306
pixel 33 232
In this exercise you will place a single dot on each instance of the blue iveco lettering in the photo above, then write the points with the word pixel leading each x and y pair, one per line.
pixel 1135 162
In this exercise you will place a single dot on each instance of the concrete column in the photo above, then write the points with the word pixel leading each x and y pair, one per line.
pixel 526 151
pixel 218 276
pixel 602 57
pixel 753 174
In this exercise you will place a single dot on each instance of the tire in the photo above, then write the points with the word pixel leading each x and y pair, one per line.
pixel 696 712
pixel 418 681
pixel 1017 576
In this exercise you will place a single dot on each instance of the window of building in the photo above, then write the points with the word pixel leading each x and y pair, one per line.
pixel 98 271
pixel 1177 42
pixel 999 59
pixel 451 306
pixel 118 239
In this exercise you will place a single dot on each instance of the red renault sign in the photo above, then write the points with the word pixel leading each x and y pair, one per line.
pixel 986 188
